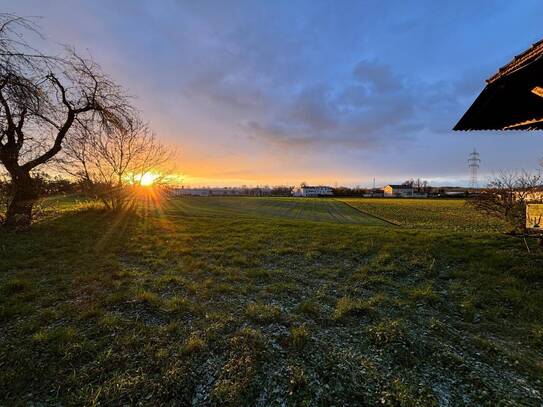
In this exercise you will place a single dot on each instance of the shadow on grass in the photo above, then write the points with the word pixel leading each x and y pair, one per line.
pixel 85 231
pixel 73 243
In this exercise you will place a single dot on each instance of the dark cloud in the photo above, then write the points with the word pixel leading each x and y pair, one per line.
pixel 377 77
pixel 376 107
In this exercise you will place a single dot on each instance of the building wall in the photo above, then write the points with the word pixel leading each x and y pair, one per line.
pixel 404 193
pixel 316 191
pixel 389 191
pixel 398 192
pixel 312 191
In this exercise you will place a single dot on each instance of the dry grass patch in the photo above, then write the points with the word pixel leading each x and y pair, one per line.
pixel 299 336
pixel 263 313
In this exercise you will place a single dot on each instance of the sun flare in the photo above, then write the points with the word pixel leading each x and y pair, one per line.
pixel 148 179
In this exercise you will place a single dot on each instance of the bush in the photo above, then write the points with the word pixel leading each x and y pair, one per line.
pixel 506 196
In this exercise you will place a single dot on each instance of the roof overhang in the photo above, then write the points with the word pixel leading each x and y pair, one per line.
pixel 510 101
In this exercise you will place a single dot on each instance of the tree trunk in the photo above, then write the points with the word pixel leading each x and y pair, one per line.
pixel 25 195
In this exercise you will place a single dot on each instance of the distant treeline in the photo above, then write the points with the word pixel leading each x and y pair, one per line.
pixel 427 191
pixel 345 191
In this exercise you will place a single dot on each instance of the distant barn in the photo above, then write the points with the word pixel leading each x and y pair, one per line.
pixel 513 97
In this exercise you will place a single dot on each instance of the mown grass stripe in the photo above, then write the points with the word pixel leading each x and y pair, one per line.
pixel 369 214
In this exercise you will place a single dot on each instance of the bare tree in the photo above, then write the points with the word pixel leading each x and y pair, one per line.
pixel 112 163
pixel 42 100
pixel 506 196
pixel 409 183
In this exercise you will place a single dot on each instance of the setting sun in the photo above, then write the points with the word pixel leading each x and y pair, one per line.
pixel 148 178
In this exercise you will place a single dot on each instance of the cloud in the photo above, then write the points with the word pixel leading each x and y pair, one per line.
pixel 377 77
pixel 274 79
pixel 374 108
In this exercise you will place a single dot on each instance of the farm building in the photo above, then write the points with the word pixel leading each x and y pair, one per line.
pixel 190 191
pixel 398 191
pixel 226 191
pixel 307 191
pixel 207 191
pixel 512 98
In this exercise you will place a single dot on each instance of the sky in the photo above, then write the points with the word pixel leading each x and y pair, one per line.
pixel 325 92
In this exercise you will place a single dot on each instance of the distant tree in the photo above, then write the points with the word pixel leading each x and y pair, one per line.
pixel 346 191
pixel 506 196
pixel 421 185
pixel 281 190
pixel 111 163
pixel 409 183
pixel 42 100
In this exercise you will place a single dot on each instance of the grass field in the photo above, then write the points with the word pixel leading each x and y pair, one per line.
pixel 450 214
pixel 270 301
pixel 317 209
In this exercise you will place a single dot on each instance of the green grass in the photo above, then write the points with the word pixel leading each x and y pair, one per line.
pixel 241 301
pixel 450 214
pixel 299 336
pixel 316 209
pixel 263 313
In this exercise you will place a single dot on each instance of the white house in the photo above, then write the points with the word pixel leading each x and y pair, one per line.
pixel 306 191
pixel 398 191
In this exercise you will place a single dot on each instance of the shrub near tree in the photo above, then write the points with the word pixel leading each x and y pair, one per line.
pixel 111 163
pixel 45 185
pixel 506 197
